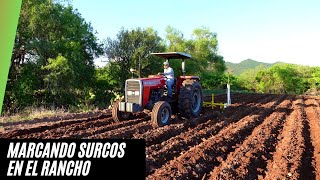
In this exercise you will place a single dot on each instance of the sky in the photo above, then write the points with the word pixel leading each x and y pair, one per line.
pixel 263 30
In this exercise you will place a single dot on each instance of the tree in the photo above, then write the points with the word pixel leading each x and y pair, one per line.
pixel 130 45
pixel 175 40
pixel 248 79
pixel 203 49
pixel 281 78
pixel 48 31
pixel 212 80
pixel 59 81
pixel 103 85
pixel 315 78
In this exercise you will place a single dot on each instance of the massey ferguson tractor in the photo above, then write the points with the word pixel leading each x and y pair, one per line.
pixel 151 94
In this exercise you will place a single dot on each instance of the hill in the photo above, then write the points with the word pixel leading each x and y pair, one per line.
pixel 245 65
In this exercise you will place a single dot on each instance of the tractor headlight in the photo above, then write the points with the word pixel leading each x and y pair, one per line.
pixel 137 93
pixel 133 93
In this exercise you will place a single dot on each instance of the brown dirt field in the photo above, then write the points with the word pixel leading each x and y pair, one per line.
pixel 260 136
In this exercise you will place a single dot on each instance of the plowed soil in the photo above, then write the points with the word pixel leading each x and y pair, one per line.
pixel 260 136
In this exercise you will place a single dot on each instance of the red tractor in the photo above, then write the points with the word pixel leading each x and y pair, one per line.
pixel 150 93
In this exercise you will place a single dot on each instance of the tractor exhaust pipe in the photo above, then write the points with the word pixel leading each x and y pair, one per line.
pixel 183 67
pixel 139 65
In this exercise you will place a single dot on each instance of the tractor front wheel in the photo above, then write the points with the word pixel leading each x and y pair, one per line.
pixel 161 114
pixel 119 115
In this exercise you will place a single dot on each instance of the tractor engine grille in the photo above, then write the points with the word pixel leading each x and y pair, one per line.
pixel 134 91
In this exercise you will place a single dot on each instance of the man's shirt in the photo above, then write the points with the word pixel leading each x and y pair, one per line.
pixel 168 73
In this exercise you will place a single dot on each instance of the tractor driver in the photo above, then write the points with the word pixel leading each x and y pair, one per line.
pixel 168 72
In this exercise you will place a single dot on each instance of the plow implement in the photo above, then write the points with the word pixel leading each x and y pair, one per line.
pixel 213 104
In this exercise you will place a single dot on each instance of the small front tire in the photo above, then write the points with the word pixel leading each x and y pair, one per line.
pixel 161 114
pixel 117 115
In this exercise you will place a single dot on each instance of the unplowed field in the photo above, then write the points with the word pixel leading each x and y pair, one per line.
pixel 260 136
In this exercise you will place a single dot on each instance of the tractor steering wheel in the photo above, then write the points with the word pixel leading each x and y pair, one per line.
pixel 163 75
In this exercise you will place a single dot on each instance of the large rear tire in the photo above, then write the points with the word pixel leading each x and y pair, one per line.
pixel 161 114
pixel 190 98
pixel 117 115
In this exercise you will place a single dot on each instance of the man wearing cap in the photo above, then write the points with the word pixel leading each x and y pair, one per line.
pixel 168 72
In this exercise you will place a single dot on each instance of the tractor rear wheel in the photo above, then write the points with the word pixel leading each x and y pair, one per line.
pixel 161 114
pixel 190 98
pixel 119 115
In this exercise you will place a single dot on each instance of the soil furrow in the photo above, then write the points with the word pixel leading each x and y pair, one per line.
pixel 203 157
pixel 178 145
pixel 99 130
pixel 307 156
pixel 48 126
pixel 125 132
pixel 260 136
pixel 287 159
pixel 249 160
pixel 313 116
pixel 167 150
pixel 156 136
pixel 9 126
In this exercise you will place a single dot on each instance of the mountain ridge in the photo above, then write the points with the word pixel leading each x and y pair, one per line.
pixel 238 68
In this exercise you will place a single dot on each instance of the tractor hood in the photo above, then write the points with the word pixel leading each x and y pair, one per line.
pixel 152 81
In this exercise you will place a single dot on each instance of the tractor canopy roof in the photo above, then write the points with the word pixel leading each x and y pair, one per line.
pixel 173 55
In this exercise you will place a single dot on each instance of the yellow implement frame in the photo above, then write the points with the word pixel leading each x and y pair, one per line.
pixel 213 104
